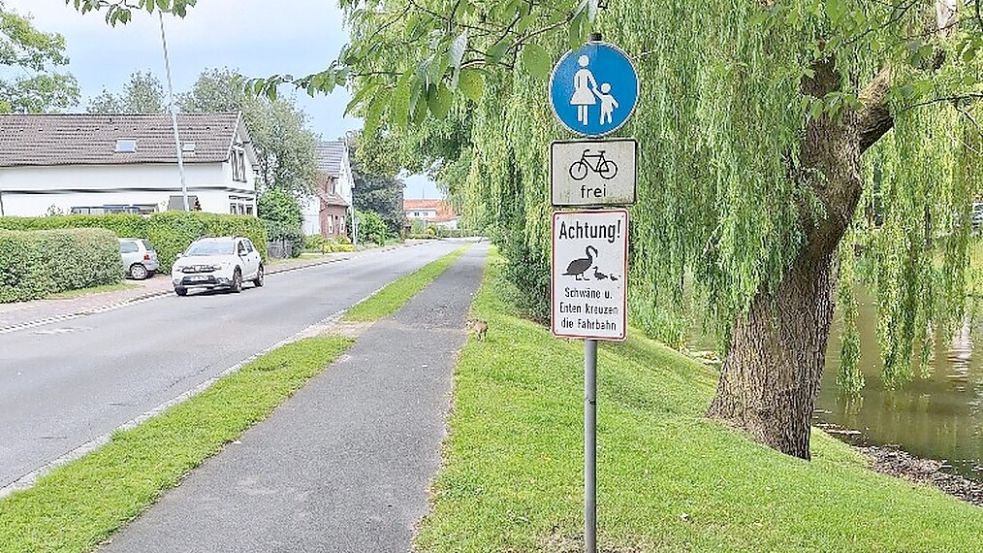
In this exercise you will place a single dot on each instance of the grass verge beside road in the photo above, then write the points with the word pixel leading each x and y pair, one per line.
pixel 77 506
pixel 388 300
pixel 668 479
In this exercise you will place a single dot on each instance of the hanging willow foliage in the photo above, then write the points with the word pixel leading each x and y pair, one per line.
pixel 459 87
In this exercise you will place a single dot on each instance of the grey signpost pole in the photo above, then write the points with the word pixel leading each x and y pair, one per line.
pixel 569 88
pixel 590 446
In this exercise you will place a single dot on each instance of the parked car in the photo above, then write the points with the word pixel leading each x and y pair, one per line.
pixel 139 258
pixel 212 263
pixel 977 216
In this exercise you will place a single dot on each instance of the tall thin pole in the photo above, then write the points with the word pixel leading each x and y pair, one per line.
pixel 170 101
pixel 590 446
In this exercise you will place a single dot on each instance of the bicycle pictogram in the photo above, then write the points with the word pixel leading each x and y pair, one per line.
pixel 595 163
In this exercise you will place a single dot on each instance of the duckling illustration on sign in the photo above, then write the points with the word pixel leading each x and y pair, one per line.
pixel 578 267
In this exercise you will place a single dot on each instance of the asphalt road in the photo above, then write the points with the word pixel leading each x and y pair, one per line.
pixel 344 465
pixel 65 384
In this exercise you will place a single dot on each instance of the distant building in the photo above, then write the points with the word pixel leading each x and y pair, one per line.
pixel 95 164
pixel 326 210
pixel 432 212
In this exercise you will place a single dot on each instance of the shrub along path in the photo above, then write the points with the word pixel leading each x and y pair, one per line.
pixel 343 466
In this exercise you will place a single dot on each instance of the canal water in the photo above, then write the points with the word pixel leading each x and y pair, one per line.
pixel 938 415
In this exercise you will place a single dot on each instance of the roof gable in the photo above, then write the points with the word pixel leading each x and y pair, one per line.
pixel 90 139
pixel 330 156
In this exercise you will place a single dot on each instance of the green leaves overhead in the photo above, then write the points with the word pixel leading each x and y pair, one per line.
pixel 536 61
pixel 440 99
pixel 472 84
pixel 121 11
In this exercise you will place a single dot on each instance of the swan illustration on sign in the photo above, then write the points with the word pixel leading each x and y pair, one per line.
pixel 578 267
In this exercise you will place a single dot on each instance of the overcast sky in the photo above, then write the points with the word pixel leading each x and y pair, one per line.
pixel 296 37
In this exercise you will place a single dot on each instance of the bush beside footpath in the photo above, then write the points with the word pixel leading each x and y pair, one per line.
pixel 170 232
pixel 35 264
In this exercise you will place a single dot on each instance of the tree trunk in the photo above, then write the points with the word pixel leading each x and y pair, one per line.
pixel 772 371
pixel 771 374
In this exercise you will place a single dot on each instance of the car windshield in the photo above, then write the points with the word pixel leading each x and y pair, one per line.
pixel 211 247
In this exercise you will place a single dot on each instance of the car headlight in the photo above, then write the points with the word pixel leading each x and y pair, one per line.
pixel 217 267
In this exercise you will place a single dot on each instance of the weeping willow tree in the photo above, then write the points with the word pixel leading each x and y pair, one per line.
pixel 780 140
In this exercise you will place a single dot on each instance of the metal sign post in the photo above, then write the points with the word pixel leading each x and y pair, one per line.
pixel 590 446
pixel 593 92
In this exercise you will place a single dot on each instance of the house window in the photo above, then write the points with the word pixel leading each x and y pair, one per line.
pixel 240 205
pixel 238 161
pixel 126 146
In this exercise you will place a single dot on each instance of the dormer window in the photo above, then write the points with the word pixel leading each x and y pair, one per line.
pixel 126 146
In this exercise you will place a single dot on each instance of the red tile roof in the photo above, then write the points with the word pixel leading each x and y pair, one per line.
pixel 444 210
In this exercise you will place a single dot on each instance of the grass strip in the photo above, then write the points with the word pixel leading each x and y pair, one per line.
pixel 388 300
pixel 71 294
pixel 79 505
pixel 669 480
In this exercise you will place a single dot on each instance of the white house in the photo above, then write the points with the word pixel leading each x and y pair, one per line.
pixel 431 212
pixel 333 198
pixel 91 163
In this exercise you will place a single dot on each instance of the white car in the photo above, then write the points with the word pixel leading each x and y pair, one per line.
pixel 212 263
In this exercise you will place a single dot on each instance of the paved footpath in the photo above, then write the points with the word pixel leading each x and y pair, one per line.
pixel 344 465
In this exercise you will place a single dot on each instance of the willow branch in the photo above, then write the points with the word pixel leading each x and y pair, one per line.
pixel 875 117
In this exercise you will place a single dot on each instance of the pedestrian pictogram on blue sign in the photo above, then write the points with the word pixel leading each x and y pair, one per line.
pixel 594 90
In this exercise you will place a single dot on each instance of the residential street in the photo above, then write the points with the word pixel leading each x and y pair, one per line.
pixel 345 464
pixel 68 383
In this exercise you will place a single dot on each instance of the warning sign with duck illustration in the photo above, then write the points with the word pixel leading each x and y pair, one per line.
pixel 590 274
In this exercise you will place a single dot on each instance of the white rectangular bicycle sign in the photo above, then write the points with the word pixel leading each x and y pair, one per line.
pixel 590 274
pixel 593 172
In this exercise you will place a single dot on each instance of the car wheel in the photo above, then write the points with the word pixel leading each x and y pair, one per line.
pixel 237 281
pixel 139 272
pixel 260 277
pixel 181 291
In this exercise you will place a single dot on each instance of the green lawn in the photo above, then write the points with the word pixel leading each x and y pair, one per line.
pixel 77 506
pixel 388 300
pixel 71 294
pixel 669 480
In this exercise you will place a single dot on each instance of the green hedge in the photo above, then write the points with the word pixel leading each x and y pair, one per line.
pixel 170 232
pixel 35 264
pixel 318 244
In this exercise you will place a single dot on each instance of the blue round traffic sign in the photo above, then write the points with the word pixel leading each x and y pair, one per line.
pixel 594 90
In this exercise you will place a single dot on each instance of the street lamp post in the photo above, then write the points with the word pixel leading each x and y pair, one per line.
pixel 170 101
